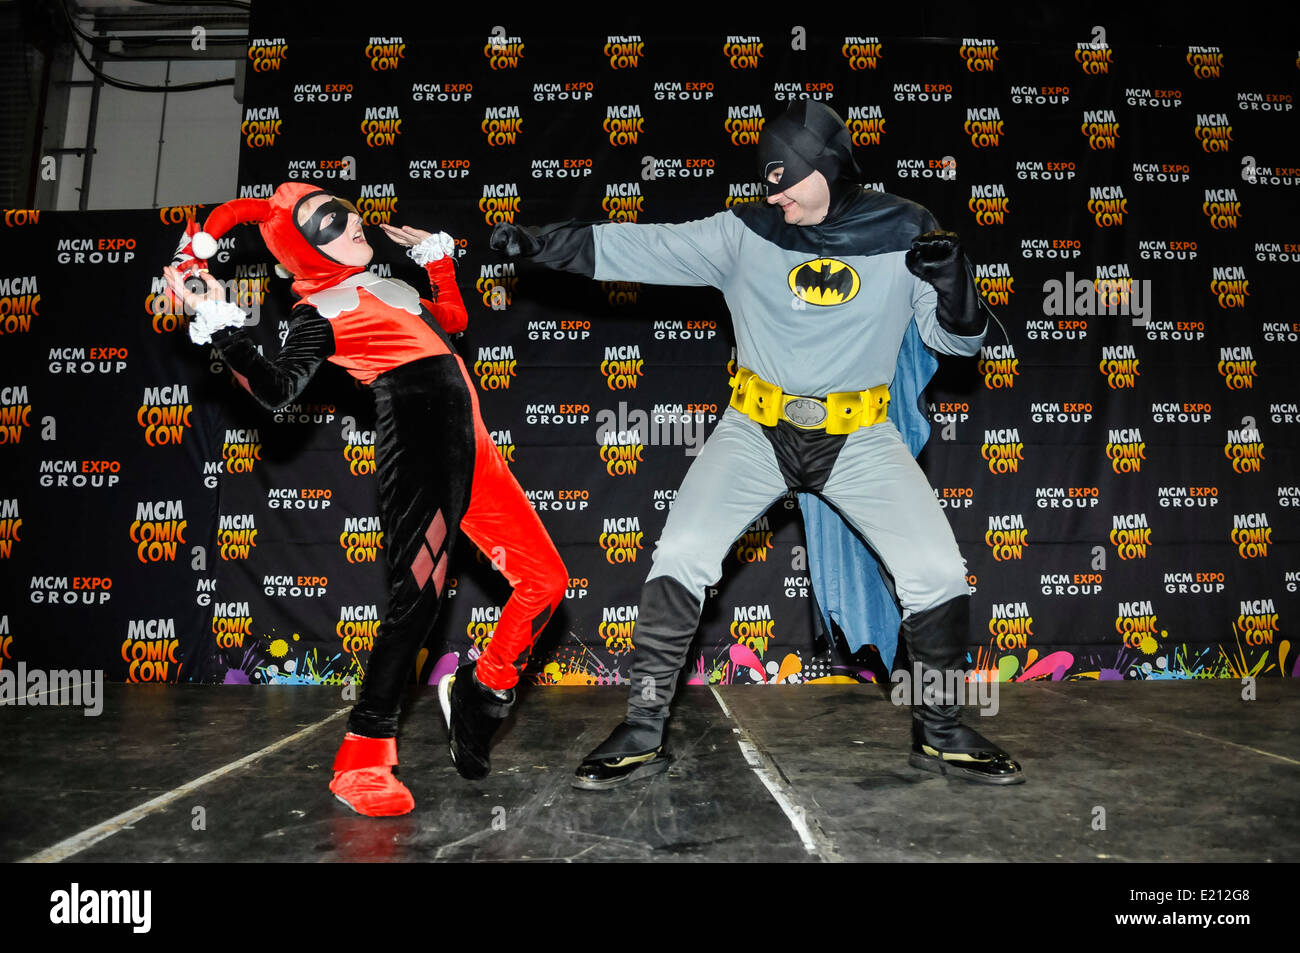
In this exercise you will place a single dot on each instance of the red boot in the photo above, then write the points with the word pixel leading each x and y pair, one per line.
pixel 364 780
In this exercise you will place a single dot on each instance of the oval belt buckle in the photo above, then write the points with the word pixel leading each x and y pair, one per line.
pixel 806 412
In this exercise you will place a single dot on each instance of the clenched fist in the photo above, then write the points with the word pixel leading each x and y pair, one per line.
pixel 933 252
pixel 513 241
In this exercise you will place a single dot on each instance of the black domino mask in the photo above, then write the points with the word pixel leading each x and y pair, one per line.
pixel 318 234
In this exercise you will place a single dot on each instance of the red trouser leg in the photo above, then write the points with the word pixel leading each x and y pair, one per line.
pixel 503 524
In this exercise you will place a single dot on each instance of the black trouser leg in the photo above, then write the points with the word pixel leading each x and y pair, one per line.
pixel 424 458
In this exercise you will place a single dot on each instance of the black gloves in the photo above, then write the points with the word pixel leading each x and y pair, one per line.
pixel 936 257
pixel 933 251
pixel 567 246
pixel 514 241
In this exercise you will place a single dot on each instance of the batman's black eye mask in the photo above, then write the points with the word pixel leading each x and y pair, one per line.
pixel 320 234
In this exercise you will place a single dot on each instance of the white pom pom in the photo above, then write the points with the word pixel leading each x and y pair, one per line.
pixel 203 245
pixel 282 271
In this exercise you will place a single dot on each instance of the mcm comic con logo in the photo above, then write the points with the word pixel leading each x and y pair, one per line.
pixel 979 54
pixel 11 523
pixel 149 650
pixel 502 125
pixel 358 449
pixel 743 52
pixel 20 299
pixel 164 414
pixel 236 535
pixel 623 124
pixel 496 367
pixel 624 52
pixel 240 450
pixel 862 52
pixel 232 623
pixel 618 627
pixel 503 51
pixel 261 127
pixel 989 203
pixel 744 124
pixel 267 54
pixel 1206 61
pixel 15 413
pixel 357 627
pixel 385 52
pixel 158 529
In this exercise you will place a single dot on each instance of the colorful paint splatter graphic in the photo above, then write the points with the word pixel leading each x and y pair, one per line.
pixel 268 662
pixel 272 660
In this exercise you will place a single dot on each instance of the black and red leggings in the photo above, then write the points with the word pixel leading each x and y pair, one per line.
pixel 439 472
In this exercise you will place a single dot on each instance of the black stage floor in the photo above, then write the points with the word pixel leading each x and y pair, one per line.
pixel 1183 771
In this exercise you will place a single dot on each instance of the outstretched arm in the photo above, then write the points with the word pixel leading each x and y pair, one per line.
pixel 437 253
pixel 273 383
pixel 564 246
pixel 702 252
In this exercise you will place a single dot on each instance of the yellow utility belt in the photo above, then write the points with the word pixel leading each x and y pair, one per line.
pixel 838 413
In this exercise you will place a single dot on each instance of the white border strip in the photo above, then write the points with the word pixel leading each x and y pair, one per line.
pixel 93 835
pixel 814 841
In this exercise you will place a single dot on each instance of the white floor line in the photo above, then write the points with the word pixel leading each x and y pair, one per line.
pixel 1224 741
pixel 810 834
pixel 93 835
pixel 1197 734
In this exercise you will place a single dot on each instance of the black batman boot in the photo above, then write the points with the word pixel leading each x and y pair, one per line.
pixel 667 617
pixel 630 752
pixel 473 712
pixel 936 640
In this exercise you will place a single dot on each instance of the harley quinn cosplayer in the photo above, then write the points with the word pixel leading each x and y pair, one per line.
pixel 823 282
pixel 438 470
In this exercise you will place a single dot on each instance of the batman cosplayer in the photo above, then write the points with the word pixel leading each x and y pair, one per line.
pixel 823 282
pixel 437 468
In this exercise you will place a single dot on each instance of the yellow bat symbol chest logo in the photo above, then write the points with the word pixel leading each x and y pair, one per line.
pixel 824 281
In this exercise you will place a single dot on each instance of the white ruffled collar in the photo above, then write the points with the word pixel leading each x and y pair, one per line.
pixel 343 297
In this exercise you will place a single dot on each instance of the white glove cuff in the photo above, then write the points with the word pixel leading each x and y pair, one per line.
pixel 432 248
pixel 213 316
